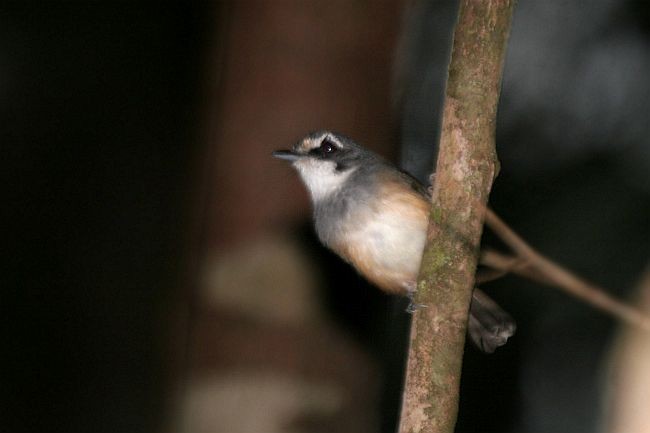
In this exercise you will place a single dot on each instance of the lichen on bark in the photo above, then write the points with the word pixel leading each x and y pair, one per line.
pixel 465 169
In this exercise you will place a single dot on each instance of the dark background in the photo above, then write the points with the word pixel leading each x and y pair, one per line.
pixel 116 184
pixel 99 105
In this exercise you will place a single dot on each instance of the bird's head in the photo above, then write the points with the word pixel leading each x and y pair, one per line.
pixel 325 160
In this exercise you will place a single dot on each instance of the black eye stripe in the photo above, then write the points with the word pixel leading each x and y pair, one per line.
pixel 327 146
pixel 326 149
pixel 341 166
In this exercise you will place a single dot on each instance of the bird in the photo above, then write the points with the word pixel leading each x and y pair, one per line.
pixel 375 217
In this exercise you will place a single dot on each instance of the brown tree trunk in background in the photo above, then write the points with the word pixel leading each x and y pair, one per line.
pixel 467 164
pixel 291 67
pixel 627 384
pixel 282 69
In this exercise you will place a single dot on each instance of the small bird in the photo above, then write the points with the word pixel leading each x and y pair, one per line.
pixel 375 217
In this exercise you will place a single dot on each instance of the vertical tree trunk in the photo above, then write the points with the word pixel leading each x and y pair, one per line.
pixel 466 167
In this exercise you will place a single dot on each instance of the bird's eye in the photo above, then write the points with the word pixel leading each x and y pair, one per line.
pixel 327 147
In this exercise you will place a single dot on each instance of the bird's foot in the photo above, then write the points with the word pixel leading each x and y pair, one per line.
pixel 410 294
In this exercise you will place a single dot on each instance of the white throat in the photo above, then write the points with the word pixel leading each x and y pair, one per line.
pixel 321 177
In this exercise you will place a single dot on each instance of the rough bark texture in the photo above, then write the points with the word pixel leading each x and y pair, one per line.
pixel 466 167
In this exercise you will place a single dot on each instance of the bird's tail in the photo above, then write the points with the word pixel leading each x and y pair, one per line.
pixel 489 325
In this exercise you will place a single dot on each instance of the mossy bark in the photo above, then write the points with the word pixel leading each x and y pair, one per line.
pixel 466 166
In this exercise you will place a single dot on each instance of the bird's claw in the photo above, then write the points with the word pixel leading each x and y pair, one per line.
pixel 413 307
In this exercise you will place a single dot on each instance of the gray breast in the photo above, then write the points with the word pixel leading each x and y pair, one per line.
pixel 377 230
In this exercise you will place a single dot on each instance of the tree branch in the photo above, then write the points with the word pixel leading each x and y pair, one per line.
pixel 465 169
pixel 530 263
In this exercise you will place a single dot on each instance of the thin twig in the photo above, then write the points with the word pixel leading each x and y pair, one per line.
pixel 549 272
pixel 506 264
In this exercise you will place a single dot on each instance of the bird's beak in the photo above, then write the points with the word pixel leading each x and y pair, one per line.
pixel 289 155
